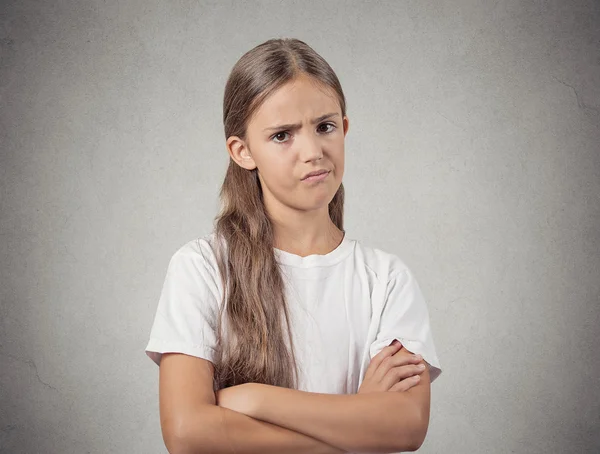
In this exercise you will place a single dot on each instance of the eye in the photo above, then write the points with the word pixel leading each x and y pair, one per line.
pixel 278 135
pixel 278 139
pixel 328 124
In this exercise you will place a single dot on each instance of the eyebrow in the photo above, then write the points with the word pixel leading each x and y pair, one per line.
pixel 297 126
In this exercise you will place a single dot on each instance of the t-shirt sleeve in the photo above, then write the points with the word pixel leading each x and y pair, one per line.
pixel 405 317
pixel 186 316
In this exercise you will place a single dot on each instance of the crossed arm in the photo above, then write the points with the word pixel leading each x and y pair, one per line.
pixel 256 418
pixel 379 422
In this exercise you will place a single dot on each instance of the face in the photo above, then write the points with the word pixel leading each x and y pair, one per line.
pixel 311 140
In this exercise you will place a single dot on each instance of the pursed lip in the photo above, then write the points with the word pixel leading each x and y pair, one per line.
pixel 316 172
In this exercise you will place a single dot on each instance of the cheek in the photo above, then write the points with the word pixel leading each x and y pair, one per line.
pixel 282 170
pixel 273 162
pixel 339 164
pixel 279 173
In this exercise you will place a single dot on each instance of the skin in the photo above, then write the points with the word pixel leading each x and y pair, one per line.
pixel 299 210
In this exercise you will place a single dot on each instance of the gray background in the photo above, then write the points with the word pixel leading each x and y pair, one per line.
pixel 473 154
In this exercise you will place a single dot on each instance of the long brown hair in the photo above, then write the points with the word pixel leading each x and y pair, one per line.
pixel 254 348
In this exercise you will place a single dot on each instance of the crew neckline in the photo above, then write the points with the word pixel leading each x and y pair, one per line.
pixel 336 255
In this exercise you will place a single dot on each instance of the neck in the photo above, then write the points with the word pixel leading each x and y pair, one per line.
pixel 307 241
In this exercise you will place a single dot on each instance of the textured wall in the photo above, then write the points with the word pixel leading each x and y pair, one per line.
pixel 473 153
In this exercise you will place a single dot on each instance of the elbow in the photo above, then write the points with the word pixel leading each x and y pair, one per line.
pixel 414 445
pixel 177 445
pixel 176 439
pixel 419 431
pixel 184 436
pixel 415 437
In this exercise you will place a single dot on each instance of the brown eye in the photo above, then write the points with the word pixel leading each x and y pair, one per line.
pixel 328 124
pixel 279 134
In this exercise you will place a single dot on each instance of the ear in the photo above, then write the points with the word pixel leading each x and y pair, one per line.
pixel 346 124
pixel 240 153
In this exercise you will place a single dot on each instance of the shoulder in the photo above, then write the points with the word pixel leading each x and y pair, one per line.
pixel 202 250
pixel 384 264
pixel 197 259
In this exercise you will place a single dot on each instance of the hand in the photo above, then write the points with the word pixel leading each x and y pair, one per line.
pixel 393 369
pixel 240 398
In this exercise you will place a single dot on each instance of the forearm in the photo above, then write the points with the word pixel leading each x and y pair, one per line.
pixel 221 430
pixel 372 422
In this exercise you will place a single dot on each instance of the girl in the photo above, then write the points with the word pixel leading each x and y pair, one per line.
pixel 276 333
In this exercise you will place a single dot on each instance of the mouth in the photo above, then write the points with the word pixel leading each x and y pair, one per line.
pixel 319 177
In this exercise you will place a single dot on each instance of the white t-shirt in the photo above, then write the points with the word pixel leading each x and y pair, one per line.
pixel 345 306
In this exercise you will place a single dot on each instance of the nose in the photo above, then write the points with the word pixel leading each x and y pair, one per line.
pixel 311 148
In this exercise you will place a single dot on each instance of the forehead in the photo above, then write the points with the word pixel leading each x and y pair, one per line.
pixel 302 97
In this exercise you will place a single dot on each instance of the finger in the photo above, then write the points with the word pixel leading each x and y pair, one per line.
pixel 406 384
pixel 405 357
pixel 390 362
pixel 400 373
pixel 386 361
pixel 376 361
pixel 401 386
pixel 413 358
pixel 379 357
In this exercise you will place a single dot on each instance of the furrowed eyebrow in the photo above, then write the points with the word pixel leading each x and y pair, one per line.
pixel 297 126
